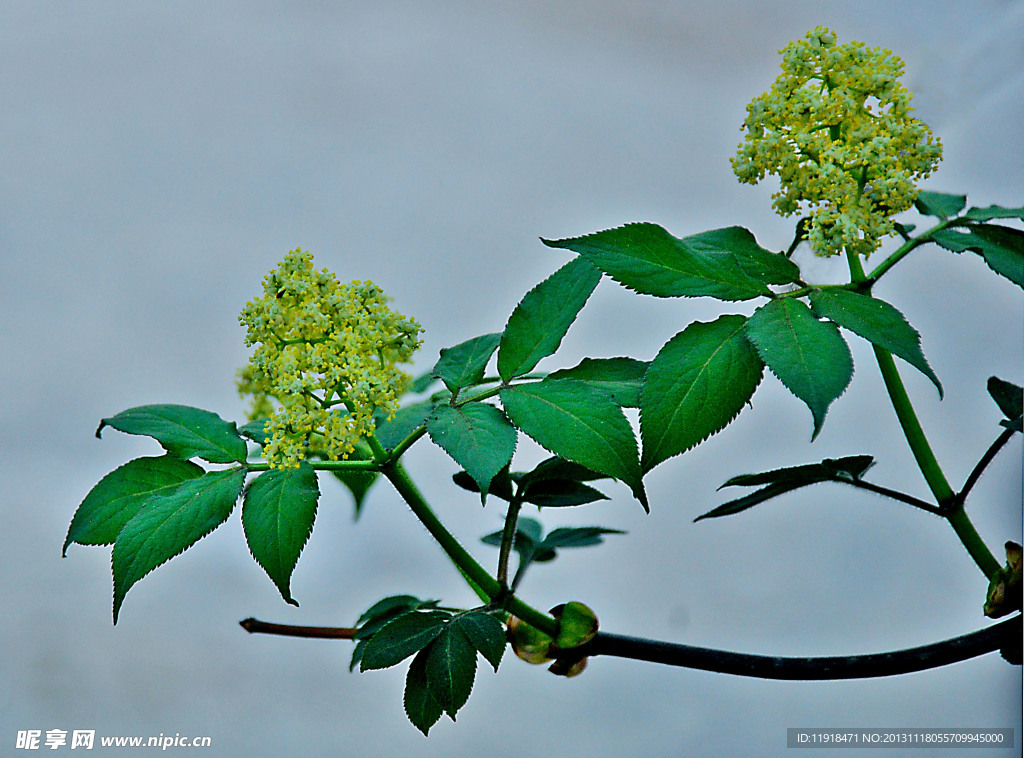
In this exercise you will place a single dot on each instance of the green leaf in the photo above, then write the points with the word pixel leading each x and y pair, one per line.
pixel 390 605
pixel 486 634
pixel 560 493
pixel 575 536
pixel 501 484
pixel 451 668
pixel 781 481
pixel 622 378
pixel 696 385
pixel 727 264
pixel 422 382
pixel 850 467
pixel 1009 397
pixel 463 365
pixel 406 420
pixel 477 436
pixel 939 204
pixel 877 322
pixel 255 431
pixel 537 325
pixel 277 517
pixel 994 211
pixel 184 432
pixel 579 423
pixel 808 356
pixel 420 706
pixel 1002 247
pixel 358 482
pixel 559 468
pixel 402 637
pixel 120 494
pixel 168 524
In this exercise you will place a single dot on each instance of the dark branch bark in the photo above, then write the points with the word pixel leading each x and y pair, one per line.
pixel 1004 634
pixel 838 667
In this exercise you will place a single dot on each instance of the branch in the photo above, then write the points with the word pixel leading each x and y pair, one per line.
pixel 839 667
pixel 745 664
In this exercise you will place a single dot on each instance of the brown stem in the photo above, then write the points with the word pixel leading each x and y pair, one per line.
pixel 255 626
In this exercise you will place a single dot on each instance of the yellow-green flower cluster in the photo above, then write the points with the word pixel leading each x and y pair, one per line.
pixel 836 129
pixel 327 355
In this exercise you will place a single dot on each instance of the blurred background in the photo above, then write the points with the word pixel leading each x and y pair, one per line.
pixel 158 159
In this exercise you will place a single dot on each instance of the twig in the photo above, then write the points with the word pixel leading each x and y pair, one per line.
pixel 255 626
pixel 986 459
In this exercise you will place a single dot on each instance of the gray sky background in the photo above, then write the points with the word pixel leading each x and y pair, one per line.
pixel 158 159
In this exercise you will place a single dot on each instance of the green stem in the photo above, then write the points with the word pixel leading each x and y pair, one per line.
pixel 486 586
pixel 508 537
pixel 926 461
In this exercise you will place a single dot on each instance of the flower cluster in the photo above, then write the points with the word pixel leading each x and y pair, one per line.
pixel 327 355
pixel 835 127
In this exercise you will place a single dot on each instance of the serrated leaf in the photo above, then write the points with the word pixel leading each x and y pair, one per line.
pixel 939 204
pixel 485 633
pixel 451 669
pixel 169 524
pixel 993 212
pixel 622 378
pixel 477 436
pixel 696 385
pixel 278 512
pixel 357 654
pixel 727 264
pixel 580 424
pixel 256 431
pixel 1008 396
pixel 420 706
pixel 877 322
pixel 119 496
pixel 390 433
pixel 183 431
pixel 402 637
pixel 1003 251
pixel 463 365
pixel 808 356
pixel 1001 247
pixel 540 320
